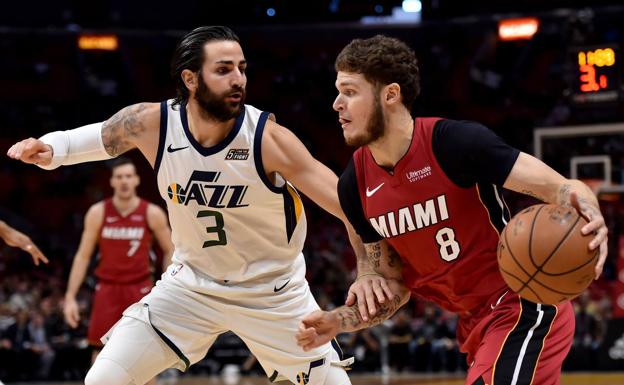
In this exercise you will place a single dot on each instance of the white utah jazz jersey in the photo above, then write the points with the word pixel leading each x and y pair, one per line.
pixel 228 221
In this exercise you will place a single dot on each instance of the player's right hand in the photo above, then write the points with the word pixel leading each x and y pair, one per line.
pixel 317 328
pixel 32 151
pixel 367 289
pixel 596 226
pixel 71 313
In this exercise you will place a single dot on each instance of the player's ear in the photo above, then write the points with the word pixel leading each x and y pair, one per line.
pixel 190 79
pixel 392 93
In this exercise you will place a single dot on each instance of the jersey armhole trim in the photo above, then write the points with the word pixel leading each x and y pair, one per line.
pixel 163 136
pixel 258 155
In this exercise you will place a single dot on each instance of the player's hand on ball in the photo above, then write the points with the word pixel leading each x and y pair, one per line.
pixel 316 329
pixel 596 225
pixel 71 312
pixel 367 289
pixel 31 151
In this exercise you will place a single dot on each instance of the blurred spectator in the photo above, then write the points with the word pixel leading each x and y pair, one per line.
pixel 365 347
pixel 39 345
pixel 399 339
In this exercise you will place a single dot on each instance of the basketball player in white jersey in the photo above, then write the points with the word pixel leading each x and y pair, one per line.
pixel 227 172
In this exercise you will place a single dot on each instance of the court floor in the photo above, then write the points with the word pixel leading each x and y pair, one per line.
pixel 611 378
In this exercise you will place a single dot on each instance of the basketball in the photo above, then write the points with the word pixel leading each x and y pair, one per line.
pixel 544 257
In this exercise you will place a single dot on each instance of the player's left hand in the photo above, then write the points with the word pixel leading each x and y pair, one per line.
pixel 316 329
pixel 17 239
pixel 367 289
pixel 596 225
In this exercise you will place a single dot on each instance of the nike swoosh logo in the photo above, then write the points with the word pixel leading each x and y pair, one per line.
pixel 276 289
pixel 369 193
pixel 171 149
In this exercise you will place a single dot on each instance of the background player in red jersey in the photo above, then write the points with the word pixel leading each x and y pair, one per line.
pixel 16 238
pixel 122 227
pixel 422 194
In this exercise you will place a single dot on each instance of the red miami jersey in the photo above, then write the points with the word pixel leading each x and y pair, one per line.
pixel 445 234
pixel 124 245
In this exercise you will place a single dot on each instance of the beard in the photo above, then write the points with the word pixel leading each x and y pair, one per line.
pixel 215 105
pixel 375 128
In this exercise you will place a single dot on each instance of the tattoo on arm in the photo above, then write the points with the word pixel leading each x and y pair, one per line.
pixel 351 320
pixel 533 194
pixel 374 254
pixel 119 131
pixel 564 194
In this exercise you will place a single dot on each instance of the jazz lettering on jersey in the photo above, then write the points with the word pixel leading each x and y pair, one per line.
pixel 407 219
pixel 202 187
pixel 123 232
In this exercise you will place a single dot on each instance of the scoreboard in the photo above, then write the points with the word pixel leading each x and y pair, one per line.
pixel 597 74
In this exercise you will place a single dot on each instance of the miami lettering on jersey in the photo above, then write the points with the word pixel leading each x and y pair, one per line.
pixel 123 232
pixel 202 187
pixel 407 219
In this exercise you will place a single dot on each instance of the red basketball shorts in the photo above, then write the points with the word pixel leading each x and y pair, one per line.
pixel 109 302
pixel 520 343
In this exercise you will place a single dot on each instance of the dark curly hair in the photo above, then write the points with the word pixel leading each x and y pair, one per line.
pixel 189 54
pixel 383 60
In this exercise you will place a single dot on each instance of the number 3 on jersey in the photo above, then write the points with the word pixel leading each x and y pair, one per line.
pixel 449 247
pixel 217 229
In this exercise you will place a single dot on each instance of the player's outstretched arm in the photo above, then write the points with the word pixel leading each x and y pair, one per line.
pixel 283 152
pixel 320 327
pixel 18 239
pixel 533 177
pixel 133 126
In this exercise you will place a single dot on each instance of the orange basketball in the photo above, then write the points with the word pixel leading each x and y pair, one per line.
pixel 543 256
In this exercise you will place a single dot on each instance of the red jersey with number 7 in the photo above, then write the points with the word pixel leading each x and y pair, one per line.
pixel 124 245
pixel 444 233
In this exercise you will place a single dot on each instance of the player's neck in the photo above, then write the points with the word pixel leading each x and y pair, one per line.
pixel 394 144
pixel 206 130
pixel 126 205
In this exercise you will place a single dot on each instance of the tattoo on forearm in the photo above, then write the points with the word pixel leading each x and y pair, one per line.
pixel 533 194
pixel 564 194
pixel 350 318
pixel 118 131
pixel 374 254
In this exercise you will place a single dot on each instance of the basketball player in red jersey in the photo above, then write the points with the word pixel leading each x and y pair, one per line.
pixel 423 195
pixel 122 227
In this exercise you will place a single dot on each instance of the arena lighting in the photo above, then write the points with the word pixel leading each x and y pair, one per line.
pixel 98 42
pixel 411 6
pixel 517 29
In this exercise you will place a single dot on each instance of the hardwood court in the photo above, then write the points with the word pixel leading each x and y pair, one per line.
pixel 610 378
